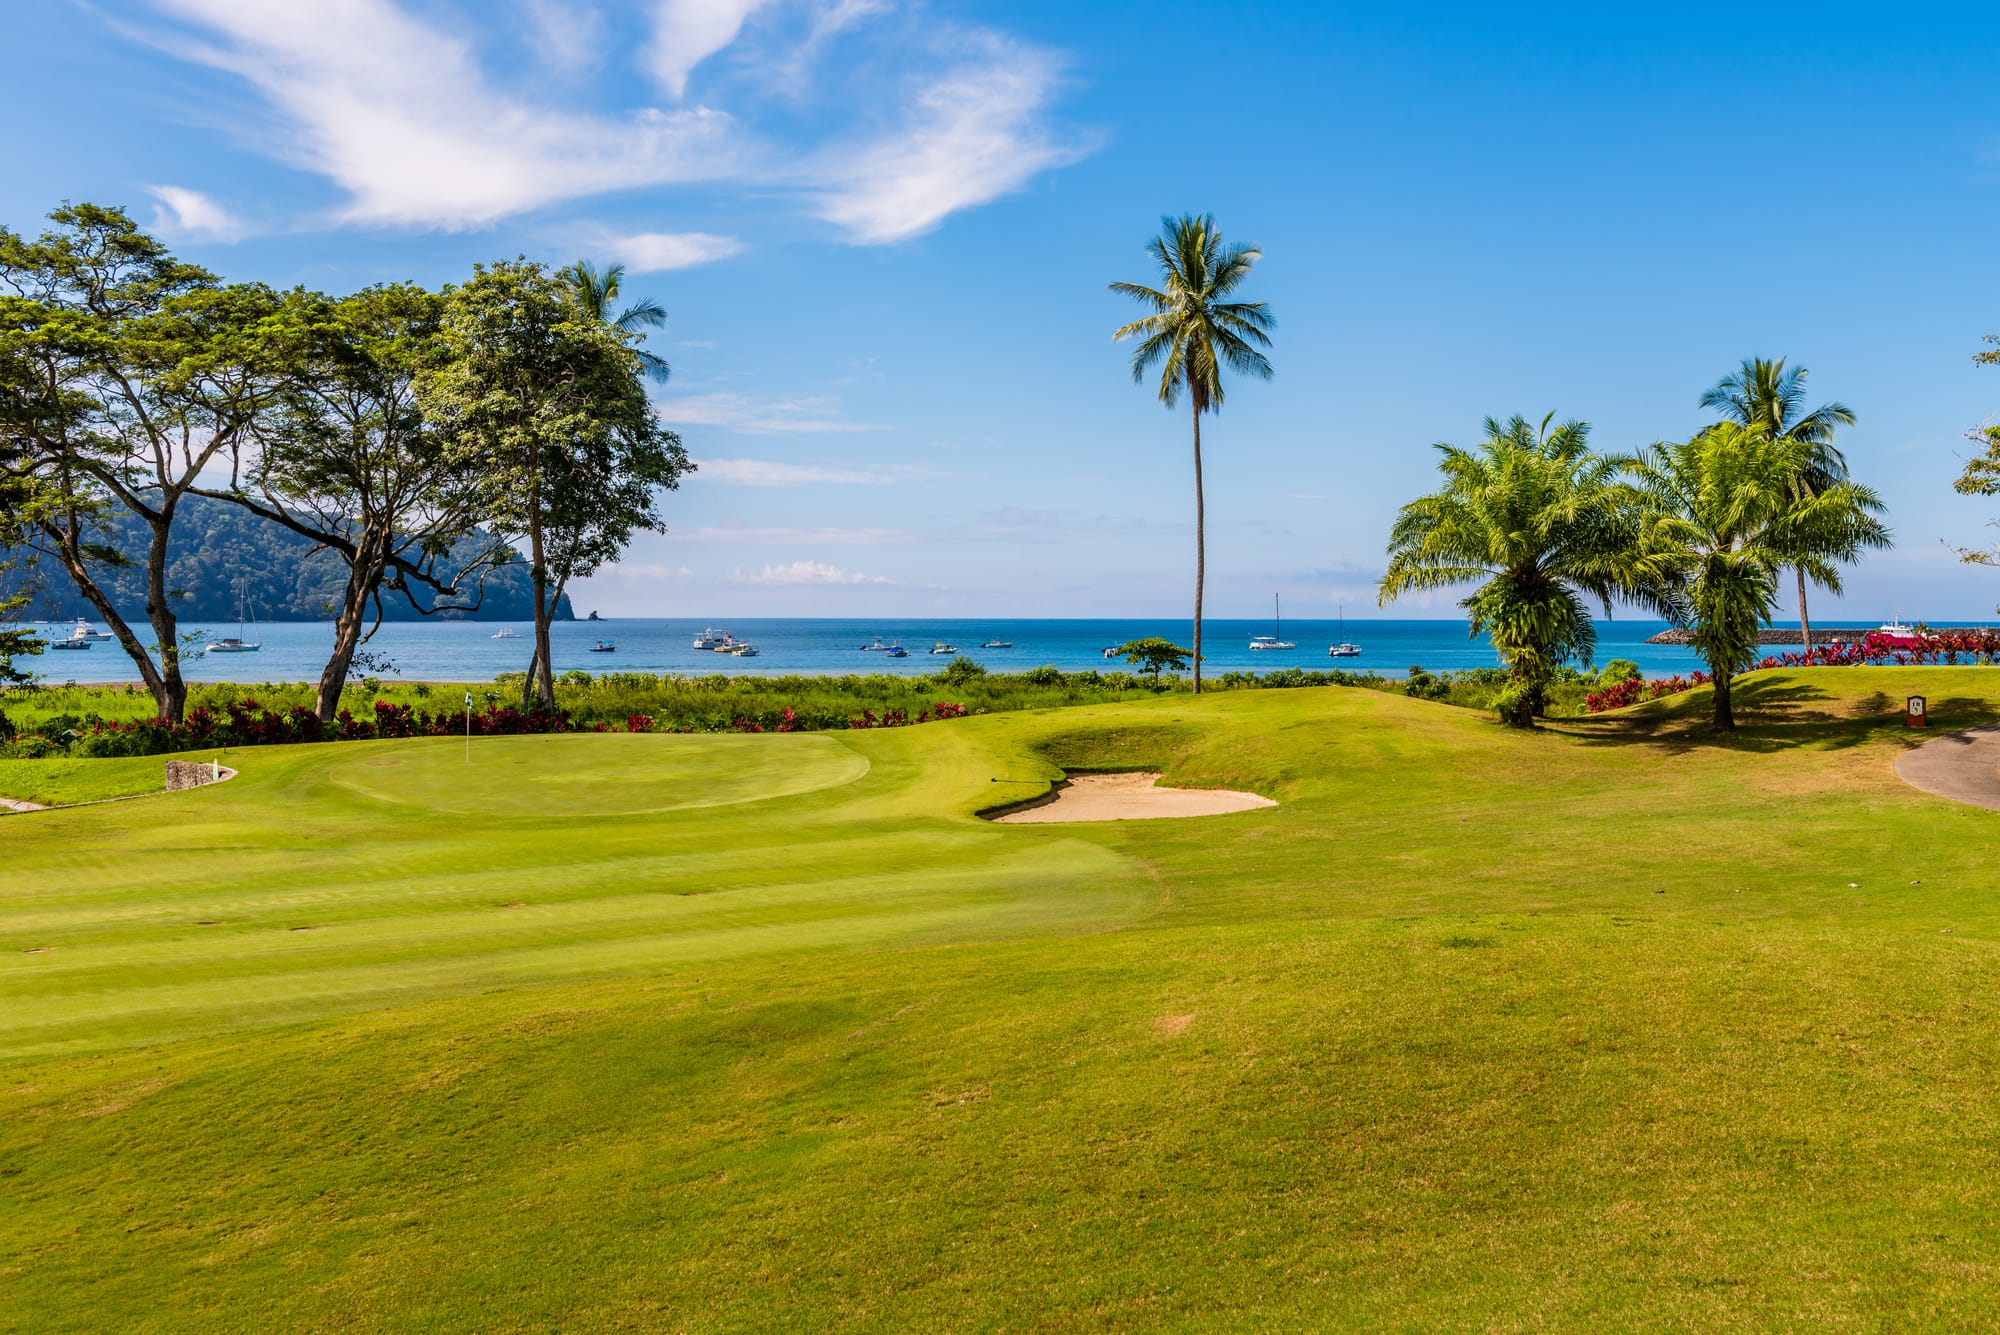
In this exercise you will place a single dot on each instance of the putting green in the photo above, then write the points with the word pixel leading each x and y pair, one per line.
pixel 575 776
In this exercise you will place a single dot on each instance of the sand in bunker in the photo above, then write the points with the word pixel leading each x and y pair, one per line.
pixel 1129 797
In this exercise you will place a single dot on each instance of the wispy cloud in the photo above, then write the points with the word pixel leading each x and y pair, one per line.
pixel 393 102
pixel 971 136
pixel 189 213
pixel 687 32
pixel 816 536
pixel 809 572
pixel 398 112
pixel 766 473
pixel 654 252
pixel 758 417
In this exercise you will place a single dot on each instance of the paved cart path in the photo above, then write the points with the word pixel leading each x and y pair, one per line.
pixel 1963 766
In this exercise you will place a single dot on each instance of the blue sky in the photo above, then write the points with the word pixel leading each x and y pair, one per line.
pixel 883 231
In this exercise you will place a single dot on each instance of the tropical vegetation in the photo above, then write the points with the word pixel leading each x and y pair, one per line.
pixel 1721 515
pixel 1193 332
pixel 1764 393
pixel 1536 520
pixel 414 439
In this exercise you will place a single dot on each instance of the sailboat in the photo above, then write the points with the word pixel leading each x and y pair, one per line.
pixel 236 644
pixel 1276 641
pixel 1343 649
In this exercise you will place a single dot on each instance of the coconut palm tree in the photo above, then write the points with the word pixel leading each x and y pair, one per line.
pixel 1192 332
pixel 597 289
pixel 1721 516
pixel 1533 517
pixel 1762 393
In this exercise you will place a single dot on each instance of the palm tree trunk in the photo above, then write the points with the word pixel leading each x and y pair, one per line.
pixel 1805 622
pixel 1725 720
pixel 1200 545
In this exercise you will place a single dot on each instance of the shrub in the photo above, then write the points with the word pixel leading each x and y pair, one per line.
pixel 1617 672
pixel 962 670
pixel 1421 685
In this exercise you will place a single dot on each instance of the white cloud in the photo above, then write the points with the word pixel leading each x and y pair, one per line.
pixel 972 136
pixel 687 32
pixel 655 252
pixel 390 101
pixel 818 536
pixel 809 572
pixel 758 417
pixel 765 473
pixel 190 213
pixel 399 114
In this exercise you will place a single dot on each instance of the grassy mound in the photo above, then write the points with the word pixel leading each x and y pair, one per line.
pixel 1607 1026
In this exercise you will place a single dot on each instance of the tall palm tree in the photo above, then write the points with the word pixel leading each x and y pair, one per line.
pixel 1763 393
pixel 1532 516
pixel 1721 516
pixel 1192 333
pixel 597 289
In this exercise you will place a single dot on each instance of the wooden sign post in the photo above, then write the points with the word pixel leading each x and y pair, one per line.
pixel 1913 713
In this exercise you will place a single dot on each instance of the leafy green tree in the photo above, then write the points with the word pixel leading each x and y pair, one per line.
pixel 1765 394
pixel 1154 655
pixel 1721 516
pixel 1192 333
pixel 598 288
pixel 17 489
pixel 345 459
pixel 547 402
pixel 1532 517
pixel 136 374
pixel 1981 476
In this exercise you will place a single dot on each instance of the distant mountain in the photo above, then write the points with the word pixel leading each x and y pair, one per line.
pixel 216 543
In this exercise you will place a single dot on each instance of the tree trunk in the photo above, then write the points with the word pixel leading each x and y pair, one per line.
pixel 540 679
pixel 171 693
pixel 1200 544
pixel 1724 720
pixel 362 577
pixel 70 553
pixel 1805 622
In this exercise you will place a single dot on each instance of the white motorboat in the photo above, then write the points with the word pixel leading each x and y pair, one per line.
pixel 1265 642
pixel 714 639
pixel 742 649
pixel 997 644
pixel 81 633
pixel 71 643
pixel 876 648
pixel 504 635
pixel 604 647
pixel 942 648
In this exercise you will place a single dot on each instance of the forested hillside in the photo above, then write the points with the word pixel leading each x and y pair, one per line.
pixel 217 543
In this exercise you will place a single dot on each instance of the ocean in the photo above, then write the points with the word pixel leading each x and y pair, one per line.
pixel 467 651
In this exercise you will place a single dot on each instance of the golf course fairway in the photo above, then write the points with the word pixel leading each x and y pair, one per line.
pixel 1608 1026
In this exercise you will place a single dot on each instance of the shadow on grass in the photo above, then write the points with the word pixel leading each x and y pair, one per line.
pixel 1775 714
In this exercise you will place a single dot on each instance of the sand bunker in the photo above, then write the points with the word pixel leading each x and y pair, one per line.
pixel 1128 797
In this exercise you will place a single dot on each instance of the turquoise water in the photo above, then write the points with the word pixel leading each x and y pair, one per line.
pixel 466 651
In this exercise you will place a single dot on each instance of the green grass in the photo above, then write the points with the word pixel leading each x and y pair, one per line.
pixel 58 781
pixel 1611 1026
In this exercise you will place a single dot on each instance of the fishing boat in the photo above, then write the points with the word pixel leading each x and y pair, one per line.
pixel 83 633
pixel 1343 649
pixel 997 644
pixel 743 649
pixel 942 648
pixel 505 635
pixel 713 639
pixel 896 651
pixel 1276 641
pixel 236 644
pixel 604 647
pixel 876 648
pixel 71 643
